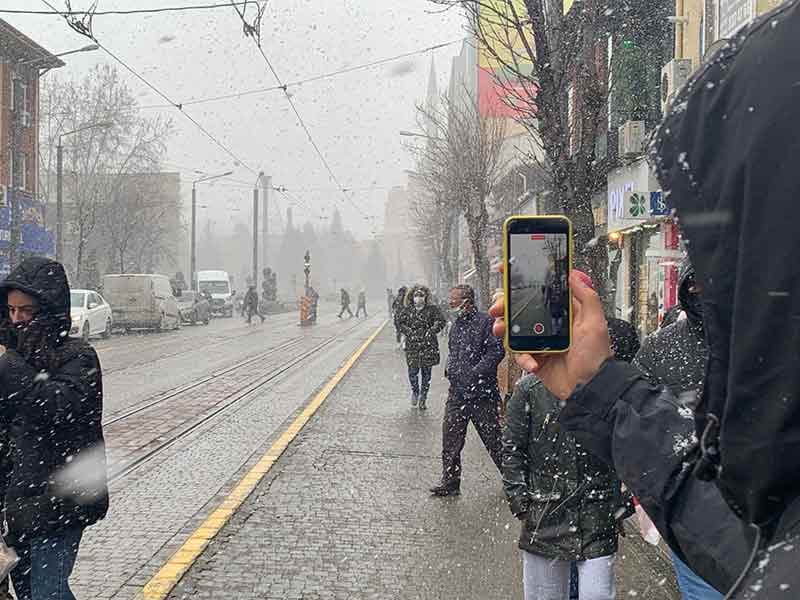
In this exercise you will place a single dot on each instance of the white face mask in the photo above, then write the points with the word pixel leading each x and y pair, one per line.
pixel 458 310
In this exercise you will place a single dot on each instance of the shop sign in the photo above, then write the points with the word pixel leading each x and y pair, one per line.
pixel 733 15
pixel 632 196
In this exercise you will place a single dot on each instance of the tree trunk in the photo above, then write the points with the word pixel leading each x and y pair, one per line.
pixel 477 230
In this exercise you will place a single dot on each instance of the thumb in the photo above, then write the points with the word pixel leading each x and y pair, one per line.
pixel 585 301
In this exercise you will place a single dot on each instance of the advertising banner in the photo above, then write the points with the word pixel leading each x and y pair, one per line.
pixel 502 54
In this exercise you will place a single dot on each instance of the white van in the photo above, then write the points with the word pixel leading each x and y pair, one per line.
pixel 142 302
pixel 218 285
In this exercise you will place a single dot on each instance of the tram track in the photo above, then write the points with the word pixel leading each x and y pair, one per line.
pixel 222 407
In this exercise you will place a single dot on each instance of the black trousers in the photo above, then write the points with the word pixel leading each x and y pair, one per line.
pixel 360 308
pixel 345 307
pixel 484 413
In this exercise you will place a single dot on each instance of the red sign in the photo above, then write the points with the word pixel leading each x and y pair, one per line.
pixel 538 237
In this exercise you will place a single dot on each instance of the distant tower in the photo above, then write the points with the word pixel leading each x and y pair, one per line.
pixel 431 100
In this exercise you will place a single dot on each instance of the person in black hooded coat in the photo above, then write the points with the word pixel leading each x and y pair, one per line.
pixel 725 156
pixel 52 405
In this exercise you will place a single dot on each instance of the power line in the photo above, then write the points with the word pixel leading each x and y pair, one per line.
pixel 299 82
pixel 136 11
pixel 131 70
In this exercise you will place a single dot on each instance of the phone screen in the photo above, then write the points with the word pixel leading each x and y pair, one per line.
pixel 538 295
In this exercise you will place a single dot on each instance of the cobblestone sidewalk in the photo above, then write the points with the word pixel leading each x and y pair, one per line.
pixel 345 513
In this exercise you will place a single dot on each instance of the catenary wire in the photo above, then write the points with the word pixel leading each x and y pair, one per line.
pixel 157 91
pixel 132 11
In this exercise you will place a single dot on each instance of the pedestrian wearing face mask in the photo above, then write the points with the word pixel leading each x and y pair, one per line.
pixel 473 358
pixel 52 405
pixel 420 322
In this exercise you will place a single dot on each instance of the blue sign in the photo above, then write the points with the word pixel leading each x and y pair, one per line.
pixel 35 238
pixel 658 208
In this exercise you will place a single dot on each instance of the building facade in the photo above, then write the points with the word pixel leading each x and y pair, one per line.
pixel 22 214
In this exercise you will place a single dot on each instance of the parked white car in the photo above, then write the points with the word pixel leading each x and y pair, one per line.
pixel 91 314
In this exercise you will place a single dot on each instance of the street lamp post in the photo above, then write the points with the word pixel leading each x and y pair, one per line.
pixel 60 183
pixel 193 266
pixel 255 228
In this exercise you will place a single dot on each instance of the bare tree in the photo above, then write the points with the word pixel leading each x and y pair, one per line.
pixel 461 162
pixel 554 75
pixel 434 218
pixel 97 160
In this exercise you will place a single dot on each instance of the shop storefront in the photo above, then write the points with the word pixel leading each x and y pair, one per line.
pixel 644 242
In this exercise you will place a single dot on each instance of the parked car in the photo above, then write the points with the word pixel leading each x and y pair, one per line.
pixel 142 302
pixel 194 307
pixel 91 314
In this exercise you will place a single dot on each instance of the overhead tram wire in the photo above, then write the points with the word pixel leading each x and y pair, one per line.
pixel 132 11
pixel 141 78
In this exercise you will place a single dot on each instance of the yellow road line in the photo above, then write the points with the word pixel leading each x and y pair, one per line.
pixel 163 582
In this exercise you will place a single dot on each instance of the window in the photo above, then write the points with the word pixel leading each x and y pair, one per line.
pixel 19 171
pixel 19 94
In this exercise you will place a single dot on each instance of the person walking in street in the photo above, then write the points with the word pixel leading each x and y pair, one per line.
pixel 390 301
pixel 569 502
pixel 420 323
pixel 473 358
pixel 676 356
pixel 251 305
pixel 397 311
pixel 362 304
pixel 52 408
pixel 345 301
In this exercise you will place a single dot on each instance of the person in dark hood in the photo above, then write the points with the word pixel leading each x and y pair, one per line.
pixel 52 408
pixel 474 395
pixel 420 322
pixel 397 310
pixel 568 501
pixel 725 158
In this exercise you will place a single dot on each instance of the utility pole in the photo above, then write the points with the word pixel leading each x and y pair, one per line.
pixel 59 201
pixel 255 236
pixel 266 186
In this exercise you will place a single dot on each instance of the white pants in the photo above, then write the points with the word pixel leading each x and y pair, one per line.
pixel 548 578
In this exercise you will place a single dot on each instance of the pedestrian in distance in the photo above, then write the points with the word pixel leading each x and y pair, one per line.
pixel 474 395
pixel 570 503
pixel 720 156
pixel 675 356
pixel 251 305
pixel 397 310
pixel 362 304
pixel 420 322
pixel 390 301
pixel 52 406
pixel 345 301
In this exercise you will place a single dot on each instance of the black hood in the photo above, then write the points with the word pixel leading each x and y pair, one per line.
pixel 690 303
pixel 45 280
pixel 726 157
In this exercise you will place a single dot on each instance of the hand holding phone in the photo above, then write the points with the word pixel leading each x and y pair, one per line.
pixel 591 346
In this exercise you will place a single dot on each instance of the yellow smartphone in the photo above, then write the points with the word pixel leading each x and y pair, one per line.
pixel 537 259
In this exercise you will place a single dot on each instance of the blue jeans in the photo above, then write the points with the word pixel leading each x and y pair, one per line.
pixel 45 565
pixel 692 586
pixel 420 379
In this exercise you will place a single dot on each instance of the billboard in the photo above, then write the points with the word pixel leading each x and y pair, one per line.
pixel 502 54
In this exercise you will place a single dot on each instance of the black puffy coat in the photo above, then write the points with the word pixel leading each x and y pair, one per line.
pixel 676 355
pixel 52 408
pixel 421 326
pixel 567 497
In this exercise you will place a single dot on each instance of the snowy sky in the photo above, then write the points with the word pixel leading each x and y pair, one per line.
pixel 354 118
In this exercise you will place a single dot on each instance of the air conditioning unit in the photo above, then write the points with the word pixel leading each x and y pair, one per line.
pixel 674 76
pixel 25 119
pixel 631 139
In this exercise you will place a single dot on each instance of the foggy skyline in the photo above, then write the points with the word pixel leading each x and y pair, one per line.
pixel 355 118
